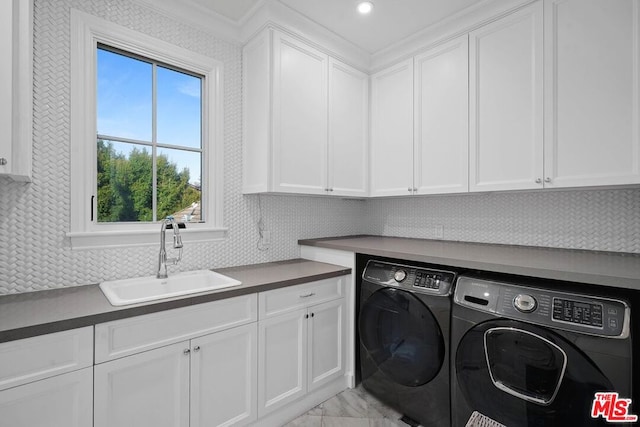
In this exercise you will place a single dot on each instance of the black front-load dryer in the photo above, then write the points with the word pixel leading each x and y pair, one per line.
pixel 403 328
pixel 538 356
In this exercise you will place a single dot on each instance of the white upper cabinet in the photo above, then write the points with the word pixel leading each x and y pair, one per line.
pixel 299 117
pixel 392 130
pixel 348 130
pixel 304 114
pixel 506 102
pixel 592 95
pixel 16 88
pixel 441 110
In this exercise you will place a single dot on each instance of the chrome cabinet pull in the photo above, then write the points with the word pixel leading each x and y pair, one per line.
pixel 307 295
pixel 538 181
pixel 186 351
pixel 3 161
pixel 196 348
pixel 547 179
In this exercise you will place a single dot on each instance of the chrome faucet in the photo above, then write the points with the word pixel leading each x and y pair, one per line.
pixel 169 222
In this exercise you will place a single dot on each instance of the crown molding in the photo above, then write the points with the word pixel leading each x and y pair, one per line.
pixel 196 15
pixel 276 14
pixel 461 23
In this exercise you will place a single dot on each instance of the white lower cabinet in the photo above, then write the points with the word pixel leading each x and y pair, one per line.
pixel 224 378
pixel 300 350
pixel 207 381
pixel 282 360
pixel 325 343
pixel 47 380
pixel 164 369
pixel 146 389
pixel 60 401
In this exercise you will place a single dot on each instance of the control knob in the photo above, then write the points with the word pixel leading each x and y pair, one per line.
pixel 525 303
pixel 400 275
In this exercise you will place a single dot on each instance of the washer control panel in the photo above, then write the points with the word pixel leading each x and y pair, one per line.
pixel 581 313
pixel 562 310
pixel 414 279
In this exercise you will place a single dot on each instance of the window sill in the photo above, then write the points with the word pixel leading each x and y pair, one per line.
pixel 130 238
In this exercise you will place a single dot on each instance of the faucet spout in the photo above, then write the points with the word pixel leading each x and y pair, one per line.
pixel 169 222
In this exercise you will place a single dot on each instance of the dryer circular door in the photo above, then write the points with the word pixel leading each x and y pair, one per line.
pixel 401 336
pixel 523 375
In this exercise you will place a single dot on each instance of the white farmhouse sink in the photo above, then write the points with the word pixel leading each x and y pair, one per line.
pixel 141 289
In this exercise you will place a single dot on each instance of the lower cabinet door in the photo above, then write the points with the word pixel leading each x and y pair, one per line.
pixel 60 401
pixel 149 389
pixel 282 360
pixel 224 378
pixel 326 343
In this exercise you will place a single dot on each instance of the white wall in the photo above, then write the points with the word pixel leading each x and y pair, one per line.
pixel 604 220
pixel 36 255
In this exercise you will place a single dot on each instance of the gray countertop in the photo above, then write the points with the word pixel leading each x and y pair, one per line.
pixel 36 313
pixel 614 269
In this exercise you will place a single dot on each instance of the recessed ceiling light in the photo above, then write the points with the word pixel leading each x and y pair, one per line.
pixel 365 7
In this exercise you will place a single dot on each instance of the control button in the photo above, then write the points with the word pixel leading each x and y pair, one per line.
pixel 524 303
pixel 612 311
pixel 400 275
pixel 613 323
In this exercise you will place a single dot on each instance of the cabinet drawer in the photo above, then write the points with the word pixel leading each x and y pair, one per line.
pixel 30 359
pixel 278 301
pixel 129 336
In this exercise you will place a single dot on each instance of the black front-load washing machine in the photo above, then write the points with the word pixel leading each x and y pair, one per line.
pixel 403 328
pixel 537 356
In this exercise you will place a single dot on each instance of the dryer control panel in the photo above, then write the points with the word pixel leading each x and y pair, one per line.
pixel 415 279
pixel 562 310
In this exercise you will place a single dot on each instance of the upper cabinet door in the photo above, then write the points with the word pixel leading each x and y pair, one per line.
pixel 16 88
pixel 299 117
pixel 441 153
pixel 592 94
pixel 348 130
pixel 392 130
pixel 506 116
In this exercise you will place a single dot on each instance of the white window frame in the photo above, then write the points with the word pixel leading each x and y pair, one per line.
pixel 87 32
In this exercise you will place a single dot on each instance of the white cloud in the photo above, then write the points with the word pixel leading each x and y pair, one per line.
pixel 190 88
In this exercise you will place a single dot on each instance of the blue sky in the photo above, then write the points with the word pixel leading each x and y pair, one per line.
pixel 124 92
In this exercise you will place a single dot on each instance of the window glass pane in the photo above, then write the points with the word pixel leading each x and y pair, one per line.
pixel 179 110
pixel 179 177
pixel 125 178
pixel 124 96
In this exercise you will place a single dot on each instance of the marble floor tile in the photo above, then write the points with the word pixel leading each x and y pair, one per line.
pixel 345 404
pixel 351 408
pixel 306 421
pixel 344 422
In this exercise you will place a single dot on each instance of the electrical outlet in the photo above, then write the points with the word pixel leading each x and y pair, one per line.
pixel 439 231
pixel 266 238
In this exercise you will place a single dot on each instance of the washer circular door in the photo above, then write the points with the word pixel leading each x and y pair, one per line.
pixel 401 336
pixel 524 375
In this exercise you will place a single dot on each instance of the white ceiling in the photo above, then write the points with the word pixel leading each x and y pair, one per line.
pixel 390 22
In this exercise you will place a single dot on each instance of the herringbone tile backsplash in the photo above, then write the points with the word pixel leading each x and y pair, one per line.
pixel 35 254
